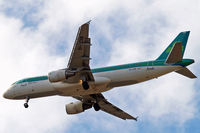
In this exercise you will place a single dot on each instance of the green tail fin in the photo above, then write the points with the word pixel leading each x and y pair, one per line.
pixel 182 37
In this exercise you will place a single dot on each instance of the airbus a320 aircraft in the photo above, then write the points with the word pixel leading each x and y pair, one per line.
pixel 86 85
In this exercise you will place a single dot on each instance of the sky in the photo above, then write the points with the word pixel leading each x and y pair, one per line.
pixel 36 37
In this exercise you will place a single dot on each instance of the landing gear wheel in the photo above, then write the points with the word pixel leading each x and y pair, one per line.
pixel 26 105
pixel 96 107
pixel 85 85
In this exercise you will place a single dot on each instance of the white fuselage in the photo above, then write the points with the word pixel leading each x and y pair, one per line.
pixel 103 81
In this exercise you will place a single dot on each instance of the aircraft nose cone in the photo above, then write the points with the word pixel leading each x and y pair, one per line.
pixel 7 95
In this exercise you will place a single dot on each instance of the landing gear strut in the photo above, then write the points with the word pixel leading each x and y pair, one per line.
pixel 26 103
pixel 85 85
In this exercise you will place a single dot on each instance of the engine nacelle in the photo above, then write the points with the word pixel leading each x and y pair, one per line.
pixel 76 107
pixel 59 75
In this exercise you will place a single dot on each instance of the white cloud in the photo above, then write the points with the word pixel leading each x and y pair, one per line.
pixel 170 97
pixel 24 54
pixel 149 26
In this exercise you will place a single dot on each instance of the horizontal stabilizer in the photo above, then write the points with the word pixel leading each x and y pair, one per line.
pixel 175 54
pixel 186 72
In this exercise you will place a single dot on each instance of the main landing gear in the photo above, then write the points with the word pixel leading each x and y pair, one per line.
pixel 26 103
pixel 85 85
pixel 96 107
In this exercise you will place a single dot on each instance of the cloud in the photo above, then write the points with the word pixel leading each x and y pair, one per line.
pixel 24 54
pixel 37 37
pixel 169 98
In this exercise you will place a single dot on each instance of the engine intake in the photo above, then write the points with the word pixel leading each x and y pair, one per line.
pixel 77 107
pixel 59 75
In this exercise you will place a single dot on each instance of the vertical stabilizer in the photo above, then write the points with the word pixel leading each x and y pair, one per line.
pixel 175 54
pixel 181 38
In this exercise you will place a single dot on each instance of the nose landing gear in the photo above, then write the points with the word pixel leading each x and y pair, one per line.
pixel 26 103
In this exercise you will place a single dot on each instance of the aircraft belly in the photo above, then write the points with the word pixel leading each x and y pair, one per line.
pixel 103 81
pixel 76 89
pixel 158 71
pixel 136 75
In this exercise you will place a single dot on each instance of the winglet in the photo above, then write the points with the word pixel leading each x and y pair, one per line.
pixel 136 119
pixel 88 22
pixel 133 118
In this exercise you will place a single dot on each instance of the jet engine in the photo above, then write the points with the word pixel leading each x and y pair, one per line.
pixel 77 107
pixel 59 75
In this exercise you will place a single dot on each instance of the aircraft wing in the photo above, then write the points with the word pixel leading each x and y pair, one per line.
pixel 105 105
pixel 80 55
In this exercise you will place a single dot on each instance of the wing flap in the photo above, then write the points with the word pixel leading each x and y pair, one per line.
pixel 111 109
pixel 80 56
pixel 105 105
pixel 81 48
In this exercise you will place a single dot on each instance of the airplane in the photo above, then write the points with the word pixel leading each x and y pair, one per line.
pixel 86 85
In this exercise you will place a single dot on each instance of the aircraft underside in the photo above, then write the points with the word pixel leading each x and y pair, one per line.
pixel 86 85
pixel 103 82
